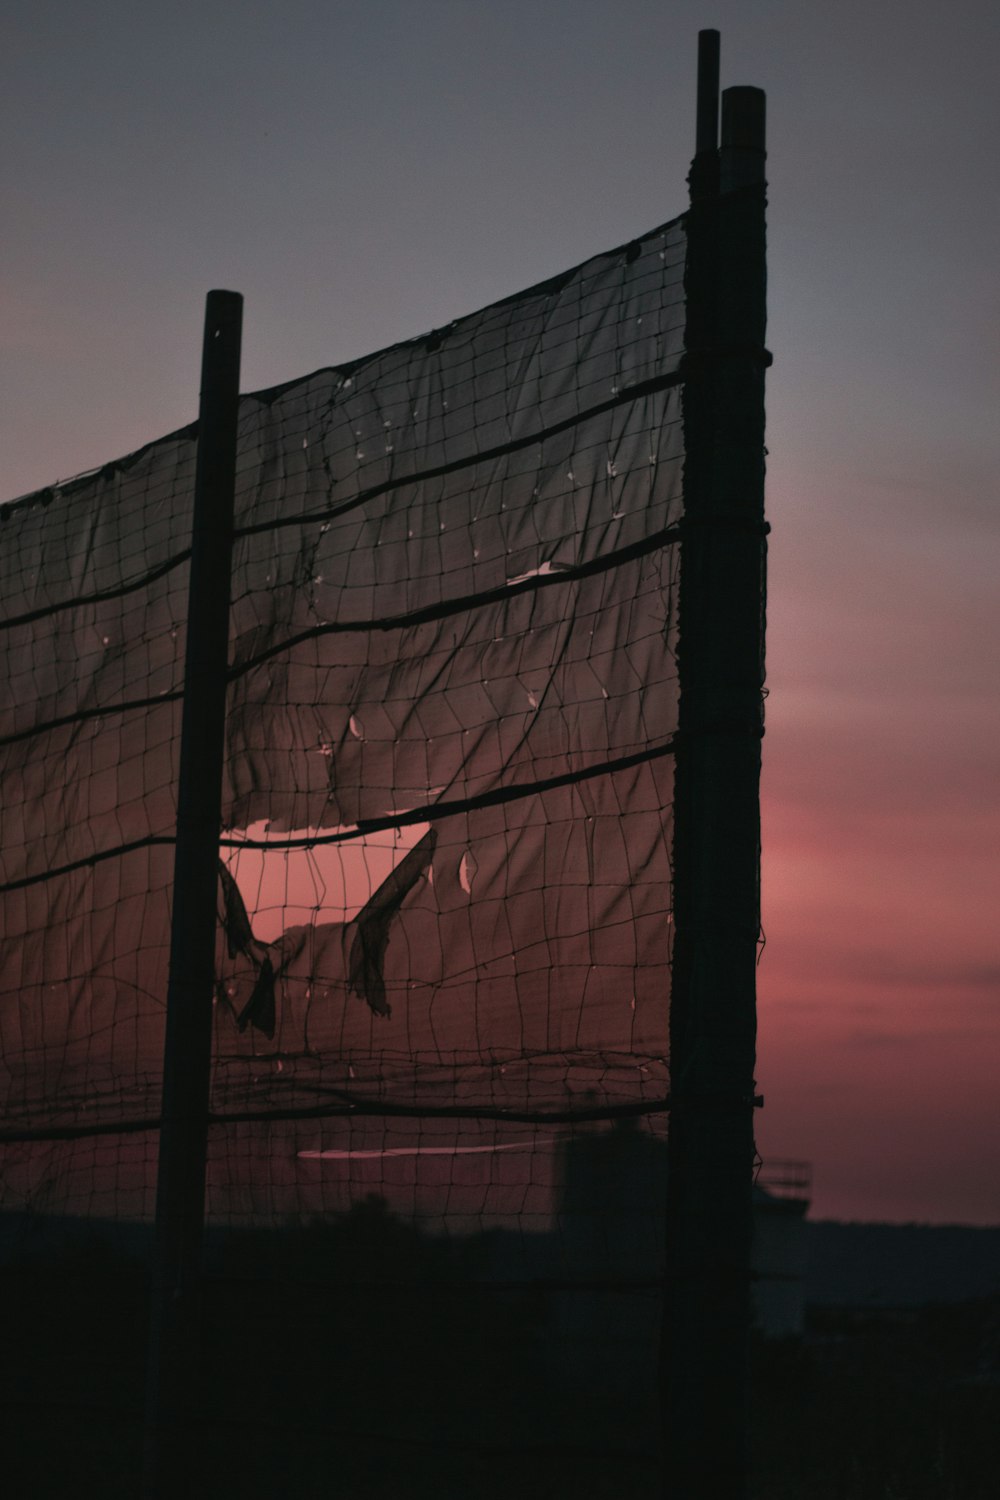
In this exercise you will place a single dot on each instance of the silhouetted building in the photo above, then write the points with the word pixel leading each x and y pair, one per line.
pixel 780 1204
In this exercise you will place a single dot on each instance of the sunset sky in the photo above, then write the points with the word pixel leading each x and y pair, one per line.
pixel 364 172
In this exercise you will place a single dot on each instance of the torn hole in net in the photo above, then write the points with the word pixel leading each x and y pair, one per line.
pixel 467 870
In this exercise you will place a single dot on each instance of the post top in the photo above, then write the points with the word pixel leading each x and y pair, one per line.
pixel 707 108
pixel 744 111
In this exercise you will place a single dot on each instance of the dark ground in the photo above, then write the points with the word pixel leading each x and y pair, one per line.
pixel 315 1388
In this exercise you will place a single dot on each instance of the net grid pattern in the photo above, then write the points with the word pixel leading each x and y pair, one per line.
pixel 444 874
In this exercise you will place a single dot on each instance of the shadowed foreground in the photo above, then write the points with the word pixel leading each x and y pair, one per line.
pixel 366 1361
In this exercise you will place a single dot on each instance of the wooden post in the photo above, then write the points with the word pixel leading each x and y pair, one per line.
pixel 180 1196
pixel 717 813
pixel 707 107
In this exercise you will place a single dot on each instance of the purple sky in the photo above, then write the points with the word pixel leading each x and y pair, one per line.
pixel 364 172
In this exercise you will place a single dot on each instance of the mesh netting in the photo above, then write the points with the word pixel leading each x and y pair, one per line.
pixel 444 873
pixel 444 890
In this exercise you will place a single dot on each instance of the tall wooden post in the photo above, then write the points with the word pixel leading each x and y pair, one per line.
pixel 180 1196
pixel 717 809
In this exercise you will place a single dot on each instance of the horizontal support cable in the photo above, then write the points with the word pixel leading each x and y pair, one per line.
pixel 86 714
pixel 431 811
pixel 25 1137
pixel 429 612
pixel 99 598
pixel 347 1107
pixel 466 602
pixel 90 859
pixel 342 1106
pixel 426 814
pixel 626 394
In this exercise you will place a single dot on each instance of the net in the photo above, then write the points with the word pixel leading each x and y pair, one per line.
pixel 444 881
